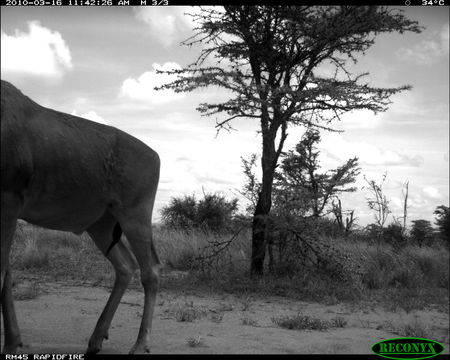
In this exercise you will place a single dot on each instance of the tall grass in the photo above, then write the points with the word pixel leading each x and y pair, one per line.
pixel 408 278
pixel 59 255
pixel 384 266
pixel 184 250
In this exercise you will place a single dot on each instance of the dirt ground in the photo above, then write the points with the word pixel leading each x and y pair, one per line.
pixel 62 317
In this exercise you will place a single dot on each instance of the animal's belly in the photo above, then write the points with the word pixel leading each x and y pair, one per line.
pixel 75 216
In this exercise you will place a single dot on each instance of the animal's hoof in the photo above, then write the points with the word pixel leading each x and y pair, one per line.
pixel 94 347
pixel 95 343
pixel 92 350
pixel 140 349
pixel 11 348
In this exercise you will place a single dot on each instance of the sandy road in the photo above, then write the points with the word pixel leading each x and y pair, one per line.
pixel 61 319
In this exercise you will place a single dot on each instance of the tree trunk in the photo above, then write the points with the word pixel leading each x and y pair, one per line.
pixel 258 234
pixel 261 216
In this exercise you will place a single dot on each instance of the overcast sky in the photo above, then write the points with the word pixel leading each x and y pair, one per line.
pixel 100 62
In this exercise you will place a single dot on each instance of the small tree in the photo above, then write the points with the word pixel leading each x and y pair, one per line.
pixel 405 193
pixel 422 232
pixel 346 225
pixel 402 225
pixel 443 222
pixel 299 175
pixel 378 201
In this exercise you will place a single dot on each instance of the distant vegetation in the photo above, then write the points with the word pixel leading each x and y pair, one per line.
pixel 324 268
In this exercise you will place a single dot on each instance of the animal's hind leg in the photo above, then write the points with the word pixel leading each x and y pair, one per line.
pixel 124 265
pixel 137 227
pixel 9 209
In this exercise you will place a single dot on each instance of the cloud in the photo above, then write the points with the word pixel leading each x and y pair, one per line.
pixel 429 50
pixel 91 115
pixel 362 119
pixel 142 88
pixel 337 148
pixel 40 52
pixel 184 158
pixel 445 36
pixel 168 25
pixel 397 202
pixel 417 202
pixel 432 192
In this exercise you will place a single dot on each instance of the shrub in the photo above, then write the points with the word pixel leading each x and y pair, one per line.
pixel 393 235
pixel 187 312
pixel 300 322
pixel 422 232
pixel 214 212
pixel 181 212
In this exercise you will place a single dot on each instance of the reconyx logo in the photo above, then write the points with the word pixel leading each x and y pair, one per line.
pixel 407 348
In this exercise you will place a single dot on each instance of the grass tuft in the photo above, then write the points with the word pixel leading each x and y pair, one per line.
pixel 195 341
pixel 187 312
pixel 413 328
pixel 300 322
pixel 248 321
pixel 338 322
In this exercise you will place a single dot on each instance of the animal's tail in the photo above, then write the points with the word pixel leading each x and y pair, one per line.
pixel 117 233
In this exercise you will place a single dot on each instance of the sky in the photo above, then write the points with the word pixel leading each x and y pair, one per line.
pixel 100 63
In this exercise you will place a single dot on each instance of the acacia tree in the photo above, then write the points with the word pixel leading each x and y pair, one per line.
pixel 267 57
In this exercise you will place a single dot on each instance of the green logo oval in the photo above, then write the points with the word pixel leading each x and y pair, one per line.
pixel 407 348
